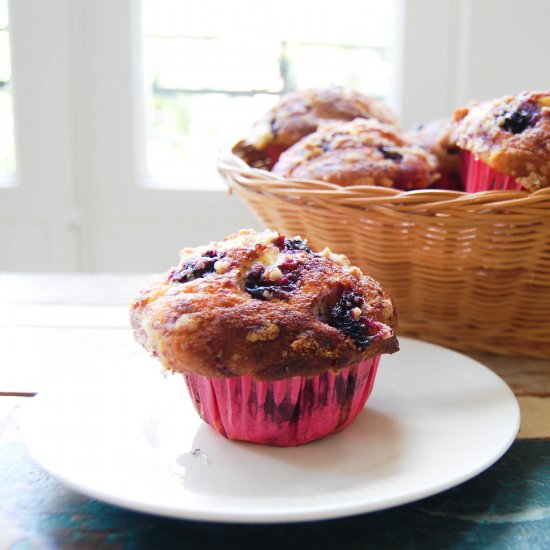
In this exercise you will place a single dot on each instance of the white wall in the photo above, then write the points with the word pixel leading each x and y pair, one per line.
pixel 505 48
pixel 426 78
pixel 452 51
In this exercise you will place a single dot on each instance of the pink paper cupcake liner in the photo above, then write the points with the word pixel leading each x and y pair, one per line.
pixel 286 412
pixel 274 152
pixel 479 176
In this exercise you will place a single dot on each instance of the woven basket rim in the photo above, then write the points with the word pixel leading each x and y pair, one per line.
pixel 237 173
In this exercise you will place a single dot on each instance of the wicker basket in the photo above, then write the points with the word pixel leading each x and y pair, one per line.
pixel 469 271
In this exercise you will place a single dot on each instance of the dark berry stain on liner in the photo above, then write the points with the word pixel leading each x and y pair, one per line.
pixel 342 318
pixel 516 121
pixel 389 153
pixel 197 268
pixel 311 397
pixel 347 400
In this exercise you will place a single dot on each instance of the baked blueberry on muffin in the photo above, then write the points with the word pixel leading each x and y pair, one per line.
pixel 360 152
pixel 300 113
pixel 279 345
pixel 436 138
pixel 505 143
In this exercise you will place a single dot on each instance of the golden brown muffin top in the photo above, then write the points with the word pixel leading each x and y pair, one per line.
pixel 436 137
pixel 300 113
pixel 511 134
pixel 360 152
pixel 263 305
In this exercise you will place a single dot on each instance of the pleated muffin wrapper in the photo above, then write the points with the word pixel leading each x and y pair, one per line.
pixel 284 413
pixel 478 176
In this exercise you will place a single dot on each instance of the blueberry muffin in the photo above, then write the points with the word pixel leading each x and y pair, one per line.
pixel 360 152
pixel 300 113
pixel 436 138
pixel 278 345
pixel 505 143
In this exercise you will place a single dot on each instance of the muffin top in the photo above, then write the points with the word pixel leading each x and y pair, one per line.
pixel 264 305
pixel 360 152
pixel 300 113
pixel 510 134
pixel 436 137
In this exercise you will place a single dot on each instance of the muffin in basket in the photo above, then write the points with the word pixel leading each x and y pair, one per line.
pixel 278 345
pixel 360 152
pixel 300 113
pixel 505 142
pixel 436 138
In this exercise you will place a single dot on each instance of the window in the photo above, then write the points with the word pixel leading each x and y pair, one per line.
pixel 212 68
pixel 7 142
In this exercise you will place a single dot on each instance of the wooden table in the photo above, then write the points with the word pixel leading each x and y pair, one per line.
pixel 52 324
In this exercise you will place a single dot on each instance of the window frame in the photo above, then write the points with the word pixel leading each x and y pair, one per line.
pixel 38 213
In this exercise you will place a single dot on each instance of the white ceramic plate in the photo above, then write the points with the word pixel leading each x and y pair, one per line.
pixel 129 436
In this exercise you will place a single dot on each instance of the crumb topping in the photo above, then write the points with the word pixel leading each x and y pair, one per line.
pixel 300 113
pixel 263 304
pixel 360 152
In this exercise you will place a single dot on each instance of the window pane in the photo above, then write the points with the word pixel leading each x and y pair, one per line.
pixel 359 67
pixel 223 63
pixel 212 68
pixel 7 142
pixel 186 135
